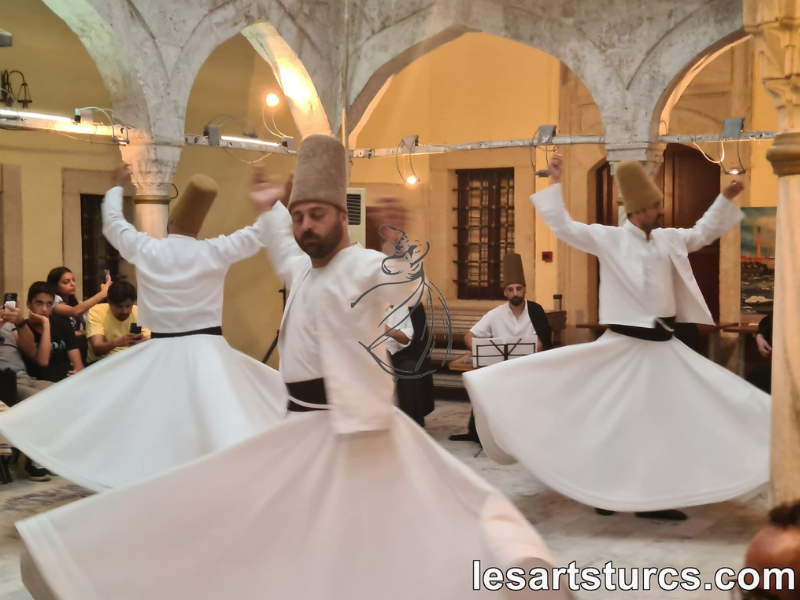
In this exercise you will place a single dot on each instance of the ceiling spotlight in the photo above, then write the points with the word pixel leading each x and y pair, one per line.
pixel 733 128
pixel 273 100
pixel 403 155
pixel 546 133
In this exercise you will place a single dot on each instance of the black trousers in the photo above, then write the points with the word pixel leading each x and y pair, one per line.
pixel 761 377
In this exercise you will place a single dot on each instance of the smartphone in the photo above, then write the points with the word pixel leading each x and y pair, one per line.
pixel 135 328
pixel 10 299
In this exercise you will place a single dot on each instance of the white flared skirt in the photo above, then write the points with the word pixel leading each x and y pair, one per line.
pixel 146 410
pixel 626 424
pixel 296 513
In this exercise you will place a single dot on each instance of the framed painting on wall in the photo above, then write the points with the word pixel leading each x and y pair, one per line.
pixel 758 260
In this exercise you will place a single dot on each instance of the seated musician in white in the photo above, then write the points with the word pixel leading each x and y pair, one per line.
pixel 515 318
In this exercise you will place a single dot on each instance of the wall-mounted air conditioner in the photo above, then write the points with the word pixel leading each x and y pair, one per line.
pixel 356 213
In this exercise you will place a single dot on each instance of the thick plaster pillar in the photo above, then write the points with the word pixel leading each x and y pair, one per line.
pixel 775 26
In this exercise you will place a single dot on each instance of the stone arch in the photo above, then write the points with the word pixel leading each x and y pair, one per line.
pixel 382 54
pixel 671 95
pixel 684 52
pixel 122 77
pixel 301 66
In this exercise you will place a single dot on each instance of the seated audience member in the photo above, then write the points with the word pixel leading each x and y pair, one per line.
pixel 46 341
pixel 108 326
pixel 776 548
pixel 10 356
pixel 761 377
pixel 26 386
pixel 66 304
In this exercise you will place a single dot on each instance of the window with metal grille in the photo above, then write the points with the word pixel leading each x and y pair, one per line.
pixel 485 228
pixel 98 254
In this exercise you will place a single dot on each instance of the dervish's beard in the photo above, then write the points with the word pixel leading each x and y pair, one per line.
pixel 319 247
pixel 516 301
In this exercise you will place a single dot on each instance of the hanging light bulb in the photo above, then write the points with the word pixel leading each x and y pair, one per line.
pixel 273 100
pixel 412 180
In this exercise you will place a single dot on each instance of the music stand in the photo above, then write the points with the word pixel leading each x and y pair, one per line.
pixel 274 343
pixel 490 351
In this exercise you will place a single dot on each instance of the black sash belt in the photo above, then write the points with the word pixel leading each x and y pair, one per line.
pixel 657 334
pixel 311 391
pixel 206 331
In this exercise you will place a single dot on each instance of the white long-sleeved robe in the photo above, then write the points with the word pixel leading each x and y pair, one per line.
pixel 358 495
pixel 622 423
pixel 166 401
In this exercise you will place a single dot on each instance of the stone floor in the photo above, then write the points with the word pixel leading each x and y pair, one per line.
pixel 713 537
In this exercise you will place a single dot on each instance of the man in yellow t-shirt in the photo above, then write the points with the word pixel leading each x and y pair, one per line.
pixel 108 326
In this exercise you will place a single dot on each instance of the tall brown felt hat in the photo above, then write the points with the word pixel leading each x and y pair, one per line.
pixel 637 190
pixel 512 270
pixel 321 173
pixel 194 203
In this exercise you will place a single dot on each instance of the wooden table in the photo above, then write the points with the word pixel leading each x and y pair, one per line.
pixel 743 329
pixel 712 331
pixel 714 338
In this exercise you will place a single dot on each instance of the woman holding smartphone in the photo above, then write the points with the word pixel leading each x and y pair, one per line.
pixel 67 304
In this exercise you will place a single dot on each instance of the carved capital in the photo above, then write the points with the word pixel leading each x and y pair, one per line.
pixel 153 165
pixel 775 26
pixel 650 155
pixel 785 154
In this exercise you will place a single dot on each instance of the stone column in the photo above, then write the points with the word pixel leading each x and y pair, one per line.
pixel 153 165
pixel 775 26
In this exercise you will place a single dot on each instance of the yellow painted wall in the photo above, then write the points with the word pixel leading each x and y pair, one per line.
pixel 62 76
pixel 235 80
pixel 763 182
pixel 576 270
pixel 478 87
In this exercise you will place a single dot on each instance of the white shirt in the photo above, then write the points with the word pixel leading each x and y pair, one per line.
pixel 179 279
pixel 658 290
pixel 500 322
pixel 350 296
pixel 401 320
pixel 629 265
pixel 299 350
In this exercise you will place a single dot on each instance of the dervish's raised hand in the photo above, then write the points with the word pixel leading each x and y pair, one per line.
pixel 266 191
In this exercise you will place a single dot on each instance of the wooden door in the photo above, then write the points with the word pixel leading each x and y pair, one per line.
pixel 691 184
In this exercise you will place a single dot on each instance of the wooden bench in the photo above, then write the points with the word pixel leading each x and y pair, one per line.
pixel 463 319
